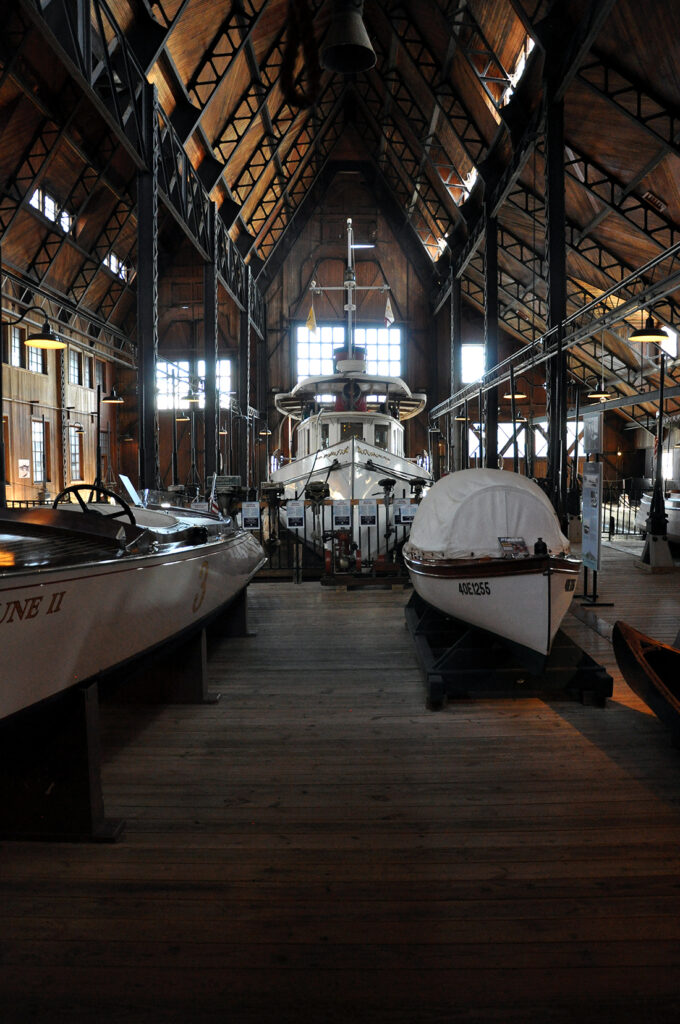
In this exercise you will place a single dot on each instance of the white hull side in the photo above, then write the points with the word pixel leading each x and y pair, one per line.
pixel 527 609
pixel 353 479
pixel 59 627
pixel 672 509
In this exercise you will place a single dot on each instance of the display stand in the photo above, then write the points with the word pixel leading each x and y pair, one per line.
pixel 50 771
pixel 461 661
pixel 50 753
pixel 591 599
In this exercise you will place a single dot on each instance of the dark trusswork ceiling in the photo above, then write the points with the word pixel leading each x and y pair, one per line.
pixel 450 122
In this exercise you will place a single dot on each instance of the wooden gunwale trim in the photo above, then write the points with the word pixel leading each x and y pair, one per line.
pixel 647 678
pixel 468 568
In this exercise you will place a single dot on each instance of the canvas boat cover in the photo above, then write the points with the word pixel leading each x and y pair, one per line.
pixel 464 514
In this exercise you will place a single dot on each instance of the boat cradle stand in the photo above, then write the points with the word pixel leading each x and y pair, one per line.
pixel 50 752
pixel 459 661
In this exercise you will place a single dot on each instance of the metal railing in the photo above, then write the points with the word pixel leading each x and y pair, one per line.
pixel 320 549
pixel 620 504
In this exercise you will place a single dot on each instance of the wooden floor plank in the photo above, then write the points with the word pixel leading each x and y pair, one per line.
pixel 319 846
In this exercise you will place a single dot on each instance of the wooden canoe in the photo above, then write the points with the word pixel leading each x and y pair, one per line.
pixel 652 670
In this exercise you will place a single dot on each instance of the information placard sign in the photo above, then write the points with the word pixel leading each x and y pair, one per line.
pixel 592 515
pixel 342 514
pixel 295 514
pixel 368 512
pixel 250 515
pixel 404 512
pixel 592 433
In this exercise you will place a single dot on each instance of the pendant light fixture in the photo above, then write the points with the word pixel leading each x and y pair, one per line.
pixel 113 399
pixel 602 395
pixel 650 332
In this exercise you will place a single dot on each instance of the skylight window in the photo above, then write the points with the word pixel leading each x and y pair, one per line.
pixel 471 363
pixel 49 207
pixel 670 347
pixel 116 265
pixel 518 70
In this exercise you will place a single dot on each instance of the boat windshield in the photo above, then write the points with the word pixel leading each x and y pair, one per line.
pixel 381 435
pixel 351 428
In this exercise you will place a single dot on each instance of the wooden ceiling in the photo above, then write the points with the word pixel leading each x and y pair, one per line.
pixel 449 123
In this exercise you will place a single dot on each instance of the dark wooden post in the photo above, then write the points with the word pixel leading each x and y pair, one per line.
pixel 147 296
pixel 491 336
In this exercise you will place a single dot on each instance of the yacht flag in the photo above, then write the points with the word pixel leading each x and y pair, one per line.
pixel 389 315
pixel 311 320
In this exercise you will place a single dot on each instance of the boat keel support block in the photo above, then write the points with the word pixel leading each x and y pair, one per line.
pixel 461 661
pixel 50 771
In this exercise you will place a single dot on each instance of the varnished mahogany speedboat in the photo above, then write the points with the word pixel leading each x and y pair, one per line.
pixel 652 670
pixel 88 585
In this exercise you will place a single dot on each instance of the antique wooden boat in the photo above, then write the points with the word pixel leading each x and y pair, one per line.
pixel 672 508
pixel 348 447
pixel 652 670
pixel 486 548
pixel 87 586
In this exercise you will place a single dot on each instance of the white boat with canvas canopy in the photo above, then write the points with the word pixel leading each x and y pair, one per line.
pixel 486 548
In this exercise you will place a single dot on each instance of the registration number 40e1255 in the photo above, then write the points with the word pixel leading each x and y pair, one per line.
pixel 476 588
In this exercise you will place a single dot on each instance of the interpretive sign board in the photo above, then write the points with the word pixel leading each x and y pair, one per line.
pixel 592 433
pixel 250 515
pixel 342 514
pixel 368 512
pixel 592 515
pixel 295 514
pixel 404 512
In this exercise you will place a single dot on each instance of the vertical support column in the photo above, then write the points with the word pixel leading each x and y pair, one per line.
pixel 244 394
pixel 212 402
pixel 456 337
pixel 556 391
pixel 147 296
pixel 491 336
pixel 3 473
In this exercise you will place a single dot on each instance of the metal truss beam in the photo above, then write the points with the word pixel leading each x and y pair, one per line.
pixel 659 230
pixel 279 208
pixel 430 217
pixel 118 85
pixel 429 70
pixel 229 40
pixel 633 100
pixel 478 52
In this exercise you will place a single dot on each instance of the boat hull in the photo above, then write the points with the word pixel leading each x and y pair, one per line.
pixel 672 509
pixel 353 470
pixel 59 627
pixel 652 670
pixel 521 602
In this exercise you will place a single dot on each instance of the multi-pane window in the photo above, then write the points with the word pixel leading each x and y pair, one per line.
pixel 506 446
pixel 49 207
pixel 16 348
pixel 471 363
pixel 87 371
pixel 383 349
pixel 76 453
pixel 38 451
pixel 116 265
pixel 314 350
pixel 37 360
pixel 174 380
pixel 571 436
pixel 540 442
pixel 100 374
pixel 75 366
